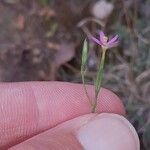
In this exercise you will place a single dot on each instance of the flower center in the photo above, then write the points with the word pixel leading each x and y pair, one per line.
pixel 105 39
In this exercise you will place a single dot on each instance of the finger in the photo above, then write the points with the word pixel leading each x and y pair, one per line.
pixel 104 131
pixel 32 107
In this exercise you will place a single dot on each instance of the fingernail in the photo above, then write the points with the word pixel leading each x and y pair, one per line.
pixel 108 132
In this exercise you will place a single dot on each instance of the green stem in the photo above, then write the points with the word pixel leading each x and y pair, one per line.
pixel 99 78
pixel 84 86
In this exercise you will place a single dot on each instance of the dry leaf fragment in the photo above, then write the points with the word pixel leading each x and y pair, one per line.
pixel 53 46
pixel 66 53
pixel 20 22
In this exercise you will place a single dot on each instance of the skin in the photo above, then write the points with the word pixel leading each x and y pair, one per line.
pixel 56 115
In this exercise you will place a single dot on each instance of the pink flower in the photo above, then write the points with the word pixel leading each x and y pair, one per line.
pixel 104 42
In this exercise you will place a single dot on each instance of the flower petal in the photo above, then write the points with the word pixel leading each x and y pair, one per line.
pixel 114 39
pixel 114 44
pixel 96 40
pixel 101 37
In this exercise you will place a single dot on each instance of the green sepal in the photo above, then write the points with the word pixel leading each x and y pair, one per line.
pixel 84 55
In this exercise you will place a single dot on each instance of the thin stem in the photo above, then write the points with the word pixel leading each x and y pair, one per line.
pixel 99 78
pixel 84 86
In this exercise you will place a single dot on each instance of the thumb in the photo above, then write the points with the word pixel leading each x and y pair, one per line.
pixel 89 132
pixel 108 131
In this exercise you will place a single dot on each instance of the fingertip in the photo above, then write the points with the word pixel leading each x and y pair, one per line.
pixel 109 102
pixel 108 131
pixel 104 131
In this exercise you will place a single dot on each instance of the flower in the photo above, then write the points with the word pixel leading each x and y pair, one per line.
pixel 104 42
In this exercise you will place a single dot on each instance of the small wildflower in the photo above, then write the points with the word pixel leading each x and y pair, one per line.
pixel 105 42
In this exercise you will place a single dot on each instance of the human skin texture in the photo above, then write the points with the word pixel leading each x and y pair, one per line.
pixel 57 115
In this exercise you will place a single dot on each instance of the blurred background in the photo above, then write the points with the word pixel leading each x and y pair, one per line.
pixel 42 40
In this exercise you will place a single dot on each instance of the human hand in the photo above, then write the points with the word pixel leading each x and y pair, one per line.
pixel 29 109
